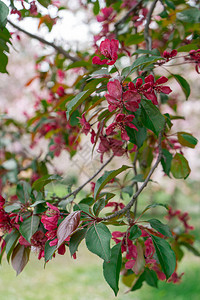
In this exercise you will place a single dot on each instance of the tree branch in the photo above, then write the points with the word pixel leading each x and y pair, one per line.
pixel 43 41
pixel 134 198
pixel 74 193
pixel 146 29
pixel 124 18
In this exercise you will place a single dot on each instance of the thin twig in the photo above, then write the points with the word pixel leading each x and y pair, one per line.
pixel 131 203
pixel 74 193
pixel 146 29
pixel 43 41
pixel 124 18
pixel 136 184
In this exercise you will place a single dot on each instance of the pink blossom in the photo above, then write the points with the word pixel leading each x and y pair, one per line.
pixel 109 50
pixel 195 56
pixel 150 87
pixel 85 125
pixel 105 14
pixel 169 55
pixel 121 121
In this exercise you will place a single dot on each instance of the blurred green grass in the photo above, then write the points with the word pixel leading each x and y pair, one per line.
pixel 82 279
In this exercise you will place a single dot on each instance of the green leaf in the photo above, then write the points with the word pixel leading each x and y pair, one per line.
pixel 160 227
pixel 183 84
pixel 11 240
pixel 135 232
pixel 96 7
pixel 170 4
pixel 45 3
pixel 3 14
pixel 76 101
pixel 98 241
pixel 111 270
pixel 165 254
pixel 98 206
pixel 151 278
pixel 107 176
pixel 151 116
pixel 190 248
pixel 12 207
pixel 23 191
pixel 191 15
pixel 155 205
pixel 41 182
pixel 140 61
pixel 137 137
pixel 29 227
pixel 138 284
pixel 166 161
pixel 49 251
pixel 180 167
pixel 75 240
pixel 187 139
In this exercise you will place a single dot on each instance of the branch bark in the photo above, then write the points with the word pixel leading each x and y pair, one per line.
pixel 74 193
pixel 124 18
pixel 135 196
pixel 43 41
pixel 146 29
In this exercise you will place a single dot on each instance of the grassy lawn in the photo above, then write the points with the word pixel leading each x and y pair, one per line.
pixel 82 279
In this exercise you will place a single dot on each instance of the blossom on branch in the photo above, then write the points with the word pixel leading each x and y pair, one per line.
pixel 109 50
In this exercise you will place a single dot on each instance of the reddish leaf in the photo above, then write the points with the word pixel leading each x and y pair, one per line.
pixel 20 258
pixel 68 225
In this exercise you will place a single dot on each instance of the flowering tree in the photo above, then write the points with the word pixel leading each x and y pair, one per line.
pixel 125 113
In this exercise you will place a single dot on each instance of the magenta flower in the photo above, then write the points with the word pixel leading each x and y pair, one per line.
pixel 85 125
pixel 108 144
pixel 121 121
pixel 106 13
pixel 195 56
pixel 150 87
pixel 109 50
pixel 117 99
pixel 114 97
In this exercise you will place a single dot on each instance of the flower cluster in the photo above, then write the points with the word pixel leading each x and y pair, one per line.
pixel 183 217
pixel 109 50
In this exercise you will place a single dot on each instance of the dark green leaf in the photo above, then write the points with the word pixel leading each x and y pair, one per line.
pixel 107 176
pixel 49 251
pixel 165 254
pixel 11 240
pixel 23 191
pixel 151 278
pixel 137 137
pixel 98 206
pixel 160 227
pixel 151 117
pixel 75 240
pixel 29 227
pixel 183 84
pixel 41 182
pixel 141 61
pixel 111 270
pixel 20 258
pixel 98 241
pixel 138 283
pixel 135 232
pixel 166 161
pixel 3 14
pixel 180 167
pixel 45 3
pixel 170 4
pixel 76 101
